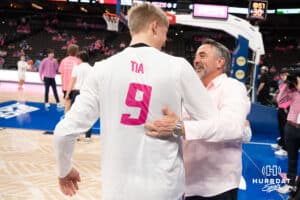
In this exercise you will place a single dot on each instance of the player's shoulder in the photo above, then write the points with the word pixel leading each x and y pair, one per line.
pixel 103 64
pixel 112 60
pixel 172 57
pixel 175 60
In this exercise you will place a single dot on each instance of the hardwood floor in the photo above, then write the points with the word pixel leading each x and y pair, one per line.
pixel 27 164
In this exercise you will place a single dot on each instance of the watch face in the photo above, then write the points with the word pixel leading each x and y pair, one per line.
pixel 178 129
pixel 177 132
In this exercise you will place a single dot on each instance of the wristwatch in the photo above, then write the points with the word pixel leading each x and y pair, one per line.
pixel 177 131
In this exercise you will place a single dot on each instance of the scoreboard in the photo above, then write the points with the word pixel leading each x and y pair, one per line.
pixel 257 9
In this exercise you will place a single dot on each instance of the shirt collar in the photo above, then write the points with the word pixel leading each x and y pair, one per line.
pixel 217 81
pixel 139 45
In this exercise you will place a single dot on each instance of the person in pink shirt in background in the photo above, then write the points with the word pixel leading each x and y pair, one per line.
pixel 47 70
pixel 66 66
pixel 213 166
pixel 291 92
pixel 283 110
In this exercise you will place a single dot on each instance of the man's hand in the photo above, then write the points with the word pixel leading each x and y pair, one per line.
pixel 68 185
pixel 247 132
pixel 163 128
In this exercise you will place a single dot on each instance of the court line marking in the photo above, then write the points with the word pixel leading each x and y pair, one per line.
pixel 260 143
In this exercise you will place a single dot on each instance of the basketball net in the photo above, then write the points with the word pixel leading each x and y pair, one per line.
pixel 112 21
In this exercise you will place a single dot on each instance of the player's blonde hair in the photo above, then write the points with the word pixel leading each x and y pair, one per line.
pixel 142 15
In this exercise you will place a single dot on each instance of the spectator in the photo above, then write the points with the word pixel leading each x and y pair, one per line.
pixel 283 109
pixel 37 64
pixel 291 92
pixel 263 90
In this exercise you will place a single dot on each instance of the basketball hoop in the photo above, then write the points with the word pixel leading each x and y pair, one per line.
pixel 112 21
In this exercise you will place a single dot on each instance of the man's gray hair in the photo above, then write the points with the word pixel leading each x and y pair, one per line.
pixel 222 51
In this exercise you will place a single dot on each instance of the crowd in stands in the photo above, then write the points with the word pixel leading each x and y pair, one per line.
pixel 24 28
pixel 34 34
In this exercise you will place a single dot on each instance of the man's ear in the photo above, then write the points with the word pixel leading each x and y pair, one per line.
pixel 221 62
pixel 153 27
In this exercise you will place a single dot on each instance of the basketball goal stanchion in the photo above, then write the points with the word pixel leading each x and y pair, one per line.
pixel 112 21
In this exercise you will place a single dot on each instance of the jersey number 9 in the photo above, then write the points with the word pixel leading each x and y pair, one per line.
pixel 142 103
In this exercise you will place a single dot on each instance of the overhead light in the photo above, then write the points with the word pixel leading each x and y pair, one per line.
pixel 36 6
pixel 83 9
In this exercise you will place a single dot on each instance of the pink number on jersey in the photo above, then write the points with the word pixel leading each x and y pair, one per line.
pixel 143 104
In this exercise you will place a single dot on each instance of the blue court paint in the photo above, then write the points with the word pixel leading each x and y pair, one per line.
pixel 263 119
pixel 33 115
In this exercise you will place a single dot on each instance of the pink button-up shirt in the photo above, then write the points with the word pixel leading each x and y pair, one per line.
pixel 213 164
pixel 286 95
pixel 48 68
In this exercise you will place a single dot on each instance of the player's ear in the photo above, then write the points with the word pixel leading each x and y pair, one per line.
pixel 153 27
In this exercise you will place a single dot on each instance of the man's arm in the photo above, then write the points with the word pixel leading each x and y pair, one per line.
pixel 227 126
pixel 234 105
pixel 247 133
pixel 82 115
pixel 41 70
pixel 61 71
pixel 260 87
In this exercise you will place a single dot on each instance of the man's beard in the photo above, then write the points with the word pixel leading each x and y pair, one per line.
pixel 201 73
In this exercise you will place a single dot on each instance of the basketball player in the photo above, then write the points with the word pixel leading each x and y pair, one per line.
pixel 125 91
pixel 22 67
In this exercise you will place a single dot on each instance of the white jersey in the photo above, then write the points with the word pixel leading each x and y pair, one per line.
pixel 22 67
pixel 126 91
pixel 80 72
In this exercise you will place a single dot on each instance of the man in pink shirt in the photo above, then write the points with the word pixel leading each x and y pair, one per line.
pixel 66 66
pixel 47 70
pixel 213 166
pixel 283 110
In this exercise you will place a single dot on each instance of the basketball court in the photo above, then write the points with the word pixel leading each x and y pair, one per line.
pixel 27 165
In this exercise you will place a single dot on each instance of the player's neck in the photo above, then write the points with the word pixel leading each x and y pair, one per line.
pixel 141 38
